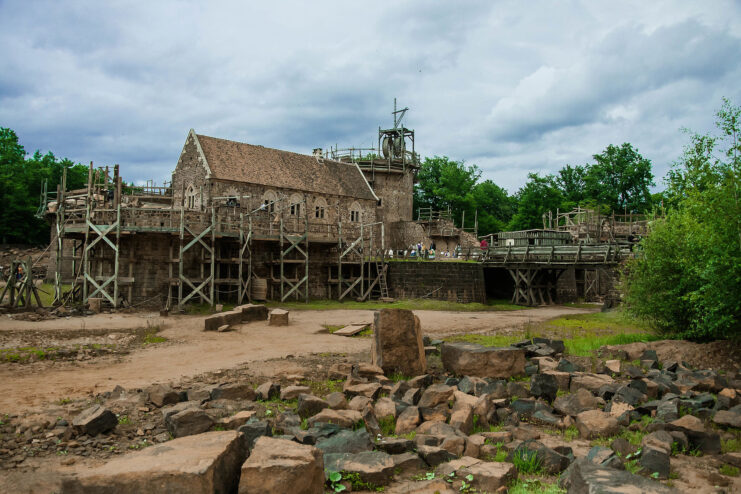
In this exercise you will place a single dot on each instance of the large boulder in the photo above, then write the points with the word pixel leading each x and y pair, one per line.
pixel 397 342
pixel 470 359
pixel 190 465
pixel 95 420
pixel 585 477
pixel 279 466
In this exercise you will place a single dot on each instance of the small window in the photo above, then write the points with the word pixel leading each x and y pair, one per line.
pixel 319 212
pixel 355 216
pixel 379 202
pixel 268 206
pixel 295 209
pixel 190 198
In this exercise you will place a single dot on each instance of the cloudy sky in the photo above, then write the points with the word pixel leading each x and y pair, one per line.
pixel 511 86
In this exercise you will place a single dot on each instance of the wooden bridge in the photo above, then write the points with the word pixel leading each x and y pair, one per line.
pixel 536 269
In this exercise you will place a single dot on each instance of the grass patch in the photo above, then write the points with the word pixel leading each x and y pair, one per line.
pixel 729 470
pixel 732 445
pixel 527 461
pixel 387 425
pixel 413 304
pixel 571 433
pixel 323 388
pixel 582 333
pixel 151 338
pixel 536 486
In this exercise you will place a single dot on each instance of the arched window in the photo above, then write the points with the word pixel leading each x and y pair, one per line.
pixel 355 212
pixel 268 201
pixel 295 205
pixel 320 208
pixel 190 197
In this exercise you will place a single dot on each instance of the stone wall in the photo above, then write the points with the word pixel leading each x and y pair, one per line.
pixel 395 191
pixel 452 281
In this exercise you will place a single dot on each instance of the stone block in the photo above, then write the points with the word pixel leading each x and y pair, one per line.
pixel 278 317
pixel 253 312
pixel 397 342
pixel 190 465
pixel 95 420
pixel 470 359
pixel 278 466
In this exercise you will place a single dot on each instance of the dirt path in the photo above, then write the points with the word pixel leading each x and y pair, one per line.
pixel 190 351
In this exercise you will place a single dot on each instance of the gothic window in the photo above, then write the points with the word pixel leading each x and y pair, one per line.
pixel 320 209
pixel 355 212
pixel 190 197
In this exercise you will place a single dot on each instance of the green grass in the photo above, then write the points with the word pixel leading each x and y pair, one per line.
pixel 527 461
pixel 387 425
pixel 534 486
pixel 46 293
pixel 732 445
pixel 203 309
pixel 323 388
pixel 729 470
pixel 414 304
pixel 151 338
pixel 571 433
pixel 582 333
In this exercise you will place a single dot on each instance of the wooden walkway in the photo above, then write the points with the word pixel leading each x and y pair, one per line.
pixel 535 270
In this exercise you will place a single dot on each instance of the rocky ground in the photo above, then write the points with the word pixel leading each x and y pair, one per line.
pixel 634 417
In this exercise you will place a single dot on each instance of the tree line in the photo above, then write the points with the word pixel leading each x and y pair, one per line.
pixel 618 180
pixel 21 177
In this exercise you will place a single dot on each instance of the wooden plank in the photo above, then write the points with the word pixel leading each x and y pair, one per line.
pixel 351 329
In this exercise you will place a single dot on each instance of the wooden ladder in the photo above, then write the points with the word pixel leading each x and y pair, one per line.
pixel 381 268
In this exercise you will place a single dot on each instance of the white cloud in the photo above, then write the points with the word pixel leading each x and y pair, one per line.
pixel 511 86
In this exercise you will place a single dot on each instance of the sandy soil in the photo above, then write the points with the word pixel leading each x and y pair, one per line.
pixel 190 351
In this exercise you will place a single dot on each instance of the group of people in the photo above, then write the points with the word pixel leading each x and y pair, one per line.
pixel 423 251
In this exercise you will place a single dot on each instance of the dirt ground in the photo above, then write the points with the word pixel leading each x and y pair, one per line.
pixel 189 350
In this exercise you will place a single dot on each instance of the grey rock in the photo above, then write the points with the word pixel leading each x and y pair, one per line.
pixel 309 405
pixel 253 430
pixel 346 441
pixel 95 420
pixel 188 422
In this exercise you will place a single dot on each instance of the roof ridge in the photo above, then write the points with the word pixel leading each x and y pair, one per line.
pixel 271 149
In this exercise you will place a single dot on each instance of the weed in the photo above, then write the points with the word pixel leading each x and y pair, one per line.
pixel 64 401
pixel 357 483
pixel 334 482
pixel 571 433
pixel 304 424
pixel 731 445
pixel 729 470
pixel 398 376
pixel 219 428
pixel 527 461
pixel 323 388
pixel 562 392
pixel 151 338
pixel 387 425
pixel 124 419
pixel 410 435
pixel 632 466
pixel 333 327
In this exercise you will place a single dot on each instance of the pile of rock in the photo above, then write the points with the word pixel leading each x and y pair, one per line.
pixel 478 424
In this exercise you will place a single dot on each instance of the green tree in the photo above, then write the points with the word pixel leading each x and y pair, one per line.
pixel 444 183
pixel 20 187
pixel 538 196
pixel 572 182
pixel 494 206
pixel 688 279
pixel 620 179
